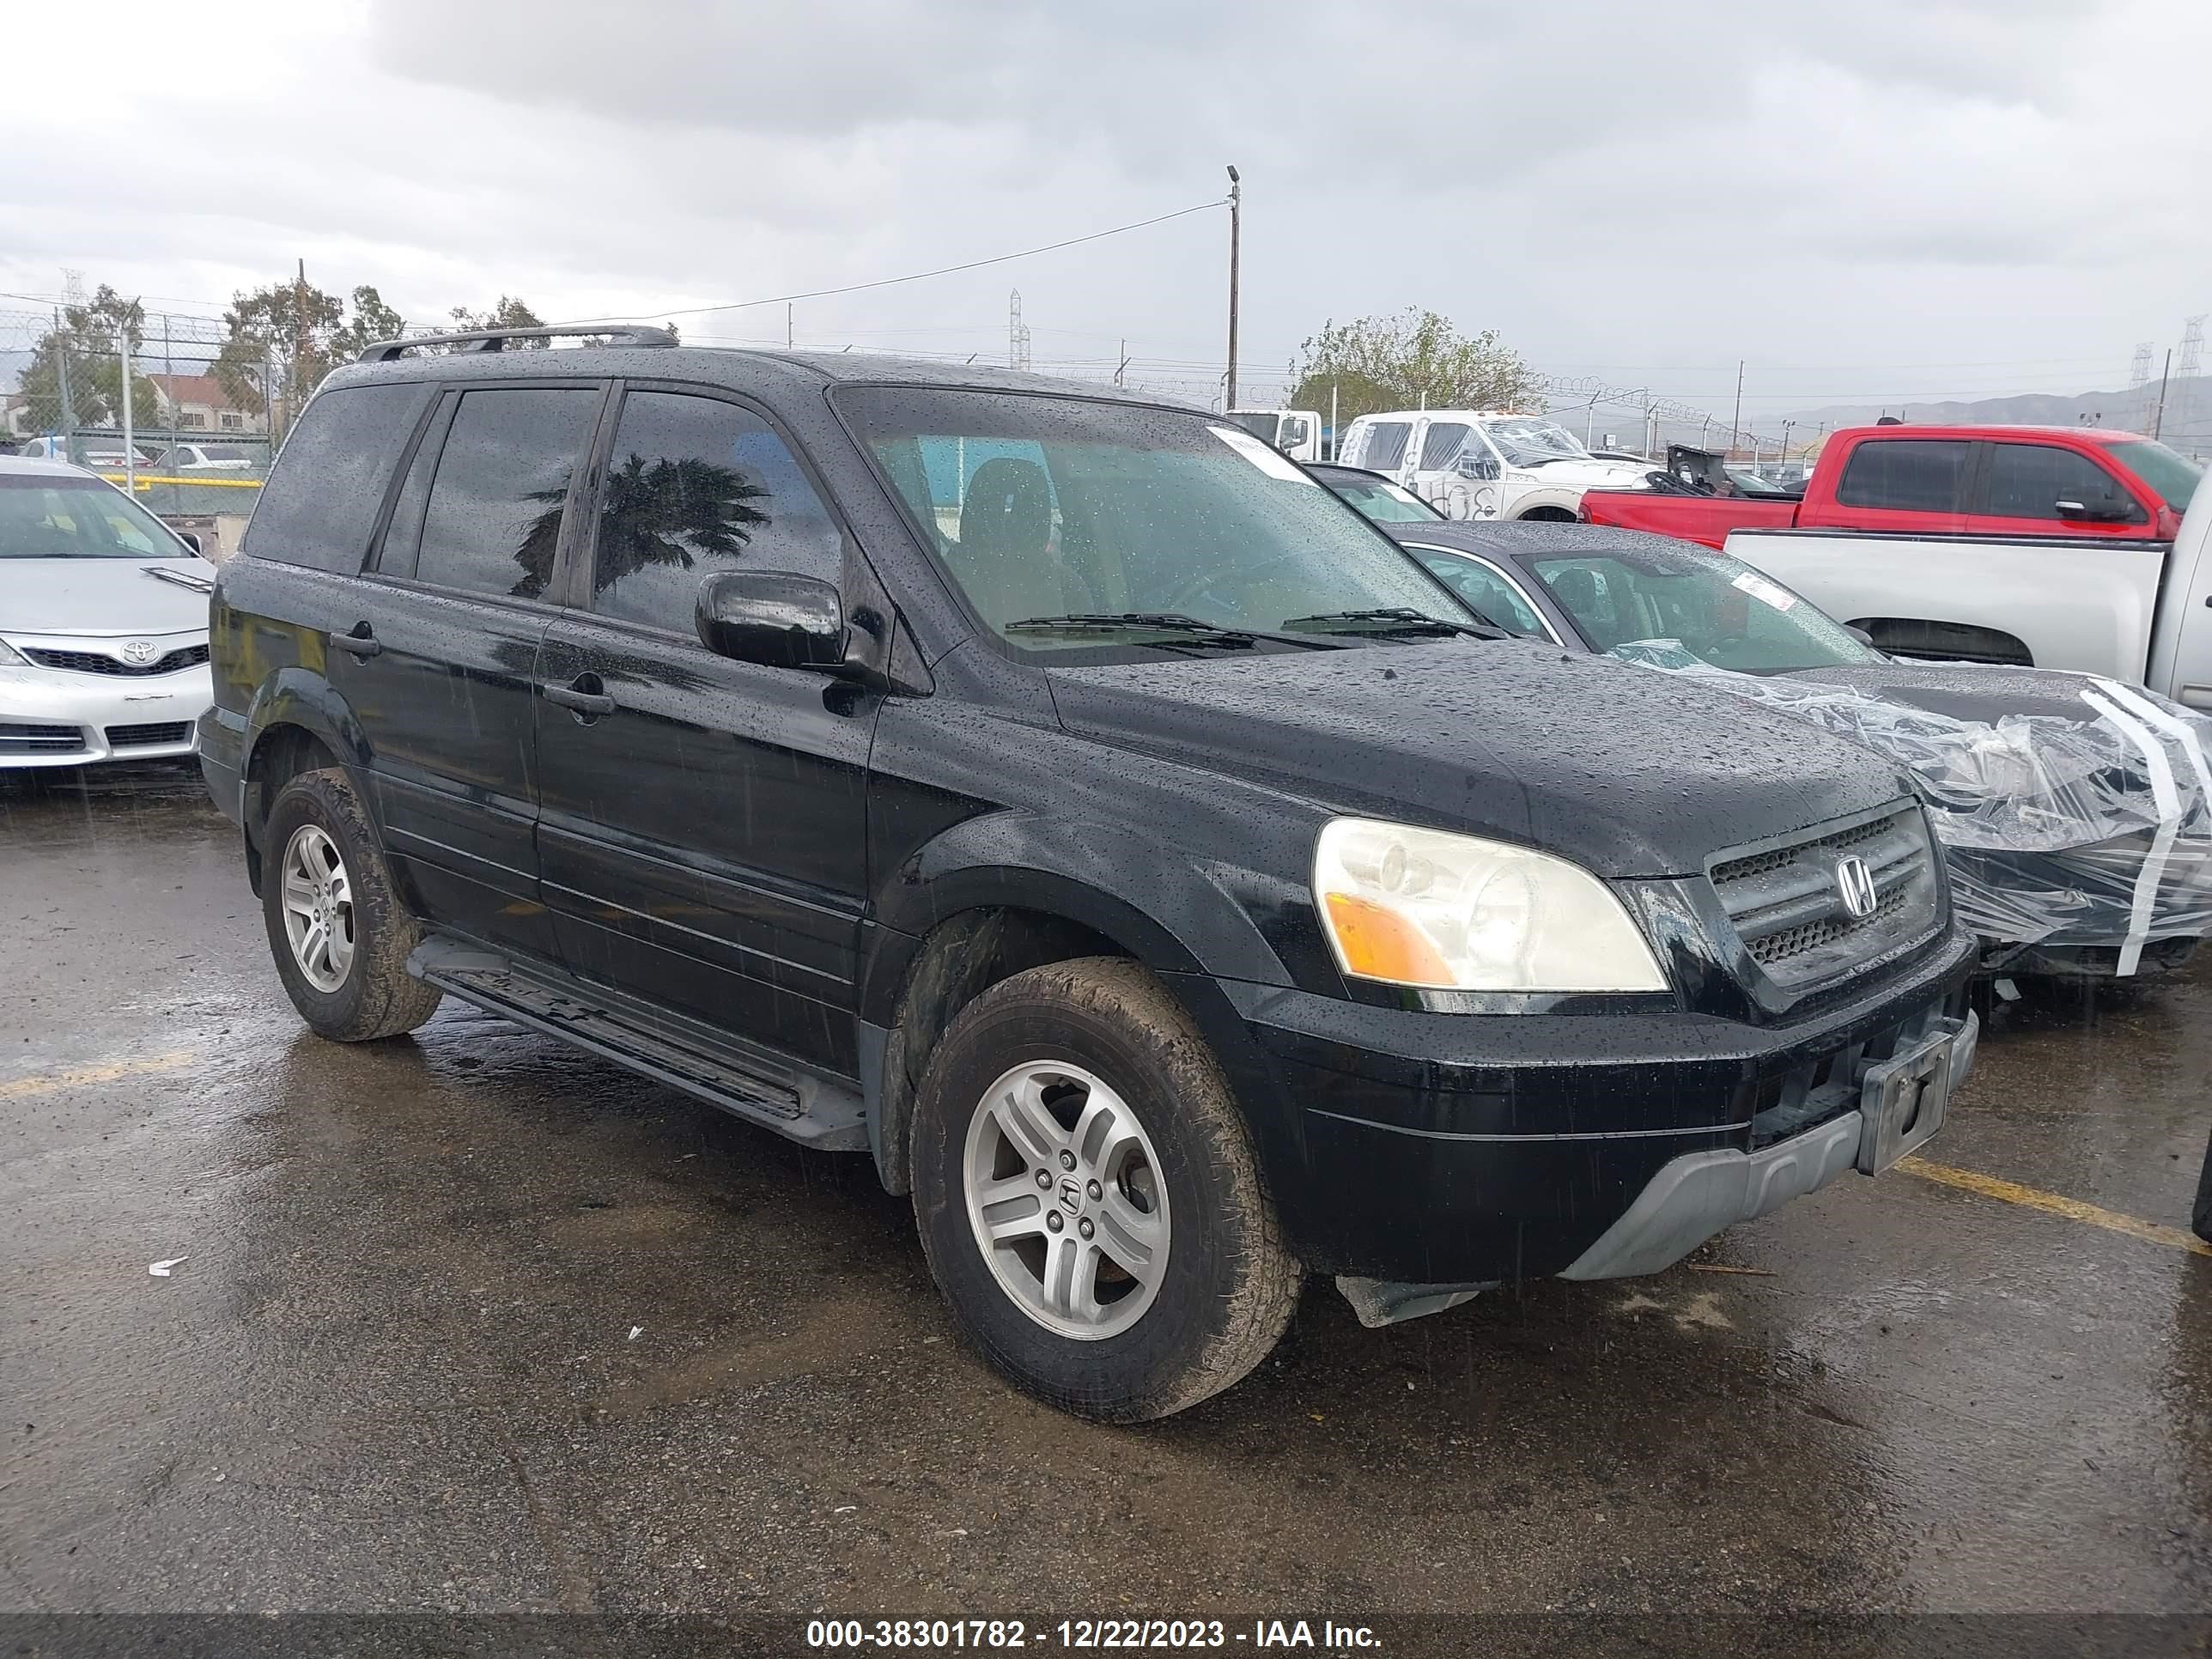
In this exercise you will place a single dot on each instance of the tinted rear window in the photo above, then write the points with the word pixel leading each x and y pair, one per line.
pixel 1911 475
pixel 320 503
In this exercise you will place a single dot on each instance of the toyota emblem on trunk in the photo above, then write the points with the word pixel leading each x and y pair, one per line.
pixel 139 650
pixel 1855 886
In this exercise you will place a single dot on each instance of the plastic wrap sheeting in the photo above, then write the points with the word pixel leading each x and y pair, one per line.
pixel 2058 832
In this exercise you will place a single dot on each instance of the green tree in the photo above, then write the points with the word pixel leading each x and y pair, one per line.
pixel 372 321
pixel 511 311
pixel 294 334
pixel 84 343
pixel 1415 359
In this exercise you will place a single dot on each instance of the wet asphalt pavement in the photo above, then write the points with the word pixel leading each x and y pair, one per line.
pixel 473 1322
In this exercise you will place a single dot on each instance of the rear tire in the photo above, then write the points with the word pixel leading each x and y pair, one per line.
pixel 339 934
pixel 1079 1094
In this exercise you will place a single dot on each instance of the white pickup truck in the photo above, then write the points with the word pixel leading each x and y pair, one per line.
pixel 1482 463
pixel 2046 547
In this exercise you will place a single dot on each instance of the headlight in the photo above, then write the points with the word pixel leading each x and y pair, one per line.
pixel 1455 912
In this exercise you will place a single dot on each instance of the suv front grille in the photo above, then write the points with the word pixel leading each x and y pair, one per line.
pixel 18 738
pixel 93 662
pixel 146 737
pixel 1787 905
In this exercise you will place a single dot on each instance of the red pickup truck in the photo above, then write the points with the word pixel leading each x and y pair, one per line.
pixel 1944 481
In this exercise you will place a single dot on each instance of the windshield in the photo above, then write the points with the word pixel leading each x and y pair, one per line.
pixel 1382 500
pixel 1532 442
pixel 2173 476
pixel 1043 508
pixel 1720 610
pixel 61 518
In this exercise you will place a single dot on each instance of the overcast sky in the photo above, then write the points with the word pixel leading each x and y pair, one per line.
pixel 1869 201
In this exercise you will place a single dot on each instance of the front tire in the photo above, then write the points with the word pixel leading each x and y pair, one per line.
pixel 339 934
pixel 1088 1198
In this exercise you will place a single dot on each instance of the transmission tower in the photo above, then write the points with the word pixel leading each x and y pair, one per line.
pixel 2140 394
pixel 2185 370
pixel 1018 332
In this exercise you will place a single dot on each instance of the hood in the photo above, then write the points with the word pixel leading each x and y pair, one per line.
pixel 103 596
pixel 1626 772
pixel 1590 475
pixel 1965 691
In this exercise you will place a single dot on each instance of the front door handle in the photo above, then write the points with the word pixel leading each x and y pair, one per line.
pixel 587 693
pixel 361 642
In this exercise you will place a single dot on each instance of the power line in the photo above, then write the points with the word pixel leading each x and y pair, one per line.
pixel 916 276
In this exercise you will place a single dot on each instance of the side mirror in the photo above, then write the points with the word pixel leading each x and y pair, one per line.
pixel 772 617
pixel 2104 509
pixel 1858 634
pixel 191 539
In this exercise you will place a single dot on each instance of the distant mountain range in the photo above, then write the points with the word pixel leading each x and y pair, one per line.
pixel 2187 425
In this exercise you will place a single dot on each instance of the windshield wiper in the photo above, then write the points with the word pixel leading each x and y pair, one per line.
pixel 191 579
pixel 1187 630
pixel 1396 619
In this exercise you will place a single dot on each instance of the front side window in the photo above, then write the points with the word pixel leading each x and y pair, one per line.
pixel 1441 443
pixel 1082 508
pixel 493 523
pixel 1718 609
pixel 60 518
pixel 1906 475
pixel 2028 480
pixel 695 485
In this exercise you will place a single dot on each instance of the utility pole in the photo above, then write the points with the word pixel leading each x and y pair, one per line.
pixel 1236 236
pixel 2158 420
pixel 299 344
pixel 1735 422
pixel 1335 437
pixel 786 325
pixel 130 453
pixel 70 446
pixel 1121 369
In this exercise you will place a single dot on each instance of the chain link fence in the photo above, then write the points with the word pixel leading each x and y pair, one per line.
pixel 154 402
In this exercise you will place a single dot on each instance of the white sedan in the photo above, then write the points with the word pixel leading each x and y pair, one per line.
pixel 103 624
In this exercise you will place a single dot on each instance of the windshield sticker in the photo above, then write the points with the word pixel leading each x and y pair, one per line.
pixel 1267 459
pixel 1780 598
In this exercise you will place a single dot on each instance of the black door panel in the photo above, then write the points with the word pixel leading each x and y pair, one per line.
pixel 704 842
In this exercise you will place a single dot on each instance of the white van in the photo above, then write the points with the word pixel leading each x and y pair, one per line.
pixel 1485 463
pixel 1296 432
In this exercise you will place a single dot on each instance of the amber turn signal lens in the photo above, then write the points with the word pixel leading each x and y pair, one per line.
pixel 1380 943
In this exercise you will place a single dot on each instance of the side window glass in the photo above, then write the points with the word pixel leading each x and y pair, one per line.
pixel 1385 450
pixel 320 505
pixel 1911 475
pixel 402 537
pixel 1442 444
pixel 695 485
pixel 2028 480
pixel 493 519
pixel 1487 591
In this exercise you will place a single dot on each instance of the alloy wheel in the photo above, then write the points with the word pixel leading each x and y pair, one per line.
pixel 319 914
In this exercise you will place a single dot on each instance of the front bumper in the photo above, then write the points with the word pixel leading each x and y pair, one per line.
pixel 1421 1149
pixel 56 717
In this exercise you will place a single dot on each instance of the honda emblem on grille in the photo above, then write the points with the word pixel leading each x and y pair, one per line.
pixel 1855 886
pixel 139 650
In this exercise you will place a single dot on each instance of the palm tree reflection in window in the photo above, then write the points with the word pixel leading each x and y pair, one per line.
pixel 668 512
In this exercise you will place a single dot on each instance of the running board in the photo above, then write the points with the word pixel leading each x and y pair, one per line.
pixel 824 1113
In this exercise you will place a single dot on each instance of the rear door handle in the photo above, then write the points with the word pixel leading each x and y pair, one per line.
pixel 586 694
pixel 361 642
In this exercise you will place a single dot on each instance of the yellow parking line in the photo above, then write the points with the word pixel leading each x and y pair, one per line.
pixel 112 1073
pixel 2011 1192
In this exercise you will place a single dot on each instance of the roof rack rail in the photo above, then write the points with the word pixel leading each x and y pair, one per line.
pixel 496 339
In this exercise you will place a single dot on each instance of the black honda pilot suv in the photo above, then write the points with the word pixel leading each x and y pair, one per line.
pixel 1065 801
